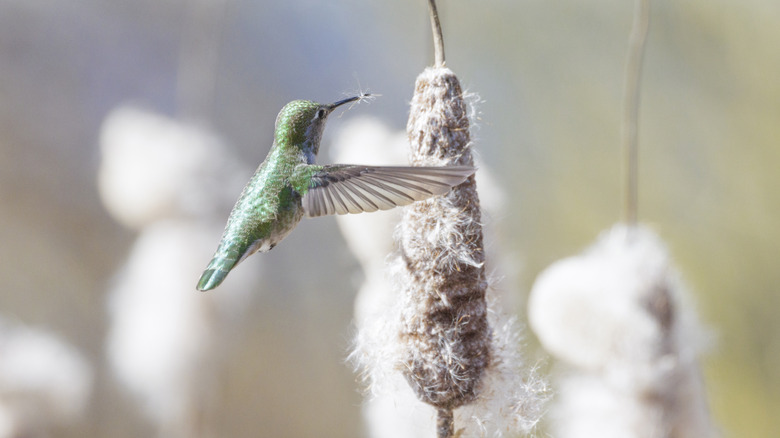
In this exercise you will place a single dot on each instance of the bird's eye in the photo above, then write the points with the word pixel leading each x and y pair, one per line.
pixel 320 113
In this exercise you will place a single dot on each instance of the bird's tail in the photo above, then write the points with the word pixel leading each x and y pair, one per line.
pixel 216 271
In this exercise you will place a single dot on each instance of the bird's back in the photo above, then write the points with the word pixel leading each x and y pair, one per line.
pixel 267 210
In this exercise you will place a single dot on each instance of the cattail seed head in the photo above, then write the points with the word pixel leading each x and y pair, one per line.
pixel 444 330
pixel 616 315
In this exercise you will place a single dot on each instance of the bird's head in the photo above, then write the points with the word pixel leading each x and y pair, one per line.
pixel 301 122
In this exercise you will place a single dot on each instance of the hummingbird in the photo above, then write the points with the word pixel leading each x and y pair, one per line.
pixel 288 185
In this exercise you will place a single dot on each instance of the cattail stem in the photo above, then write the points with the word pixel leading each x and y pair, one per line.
pixel 445 423
pixel 438 39
pixel 633 76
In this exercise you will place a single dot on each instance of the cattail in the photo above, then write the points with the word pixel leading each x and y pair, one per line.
pixel 444 328
pixel 442 341
pixel 616 316
pixel 444 334
pixel 456 349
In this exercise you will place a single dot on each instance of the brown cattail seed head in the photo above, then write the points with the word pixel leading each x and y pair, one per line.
pixel 444 331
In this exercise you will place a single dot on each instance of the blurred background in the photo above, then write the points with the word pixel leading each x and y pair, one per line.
pixel 549 76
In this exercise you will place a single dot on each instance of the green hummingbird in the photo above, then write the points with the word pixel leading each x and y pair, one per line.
pixel 288 185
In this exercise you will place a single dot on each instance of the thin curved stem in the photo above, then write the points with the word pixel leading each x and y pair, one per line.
pixel 636 51
pixel 438 39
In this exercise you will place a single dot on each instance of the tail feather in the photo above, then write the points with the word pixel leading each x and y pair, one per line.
pixel 215 273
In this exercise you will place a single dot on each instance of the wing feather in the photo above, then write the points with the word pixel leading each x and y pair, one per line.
pixel 327 202
pixel 321 201
pixel 344 198
pixel 386 203
pixel 365 202
pixel 406 184
pixel 342 189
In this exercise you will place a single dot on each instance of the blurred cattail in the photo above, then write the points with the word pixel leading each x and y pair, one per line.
pixel 616 315
pixel 173 183
pixel 44 382
pixel 154 168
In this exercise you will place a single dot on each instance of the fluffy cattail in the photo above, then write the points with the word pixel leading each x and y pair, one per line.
pixel 155 168
pixel 616 316
pixel 445 328
pixel 442 340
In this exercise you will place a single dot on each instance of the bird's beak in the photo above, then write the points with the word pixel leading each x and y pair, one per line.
pixel 347 100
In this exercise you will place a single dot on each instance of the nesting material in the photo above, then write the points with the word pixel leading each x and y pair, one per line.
pixel 616 315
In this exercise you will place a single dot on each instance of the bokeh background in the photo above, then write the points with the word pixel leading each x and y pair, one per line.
pixel 550 78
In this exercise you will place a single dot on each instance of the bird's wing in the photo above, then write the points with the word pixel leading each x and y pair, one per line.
pixel 341 189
